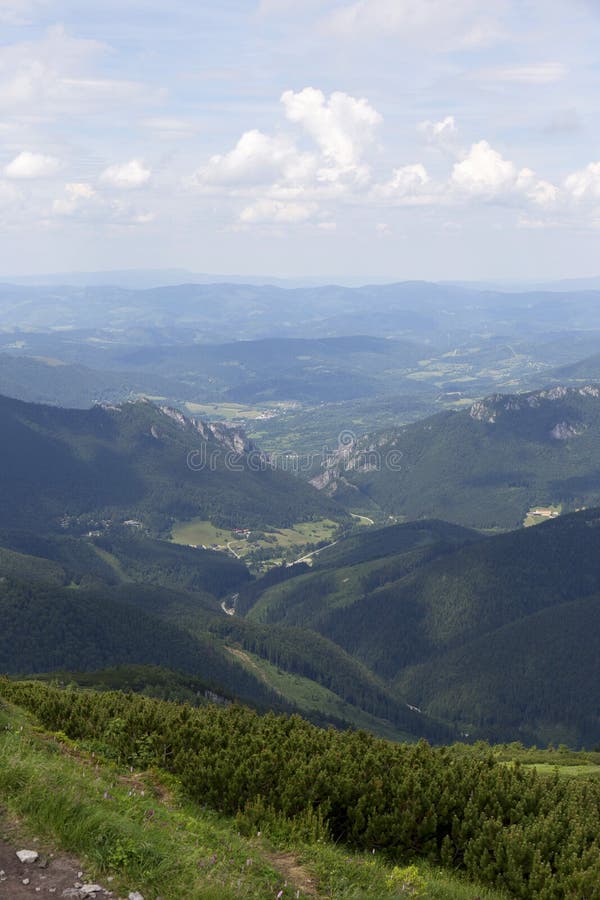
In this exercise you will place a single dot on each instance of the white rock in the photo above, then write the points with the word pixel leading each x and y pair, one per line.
pixel 135 895
pixel 27 856
pixel 26 881
pixel 90 889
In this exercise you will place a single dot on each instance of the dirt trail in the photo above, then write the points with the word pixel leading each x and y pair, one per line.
pixel 294 873
pixel 48 877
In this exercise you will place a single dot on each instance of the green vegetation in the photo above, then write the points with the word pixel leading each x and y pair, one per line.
pixel 152 603
pixel 261 549
pixel 311 697
pixel 506 826
pixel 140 829
pixel 484 467
pixel 140 464
pixel 497 636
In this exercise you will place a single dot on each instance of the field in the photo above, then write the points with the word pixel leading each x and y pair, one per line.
pixel 312 698
pixel 237 411
pixel 262 549
pixel 568 771
pixel 560 760
pixel 539 514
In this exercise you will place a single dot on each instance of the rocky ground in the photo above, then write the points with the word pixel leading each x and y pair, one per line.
pixel 47 876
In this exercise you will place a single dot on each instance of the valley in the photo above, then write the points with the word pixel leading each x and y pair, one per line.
pixel 260 549
pixel 379 536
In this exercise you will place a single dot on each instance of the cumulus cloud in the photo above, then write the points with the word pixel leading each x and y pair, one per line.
pixel 484 172
pixel 286 181
pixel 283 182
pixel 486 175
pixel 32 165
pixel 407 186
pixel 81 200
pixel 256 159
pixel 128 175
pixel 342 126
pixel 76 195
pixel 442 132
pixel 584 184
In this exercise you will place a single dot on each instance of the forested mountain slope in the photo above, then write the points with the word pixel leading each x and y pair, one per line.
pixel 79 604
pixel 498 634
pixel 138 461
pixel 485 466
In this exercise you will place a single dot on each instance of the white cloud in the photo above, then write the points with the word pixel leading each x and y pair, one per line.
pixel 342 126
pixel 266 211
pixel 408 185
pixel 256 159
pixel 484 172
pixel 76 195
pixel 540 193
pixel 128 175
pixel 82 201
pixel 284 184
pixel 32 165
pixel 584 184
pixel 442 132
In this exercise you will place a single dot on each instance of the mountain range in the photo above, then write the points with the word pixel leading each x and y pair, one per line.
pixel 484 466
pixel 426 628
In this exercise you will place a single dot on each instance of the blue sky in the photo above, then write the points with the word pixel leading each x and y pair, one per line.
pixel 387 138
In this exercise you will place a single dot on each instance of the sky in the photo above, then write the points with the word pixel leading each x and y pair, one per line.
pixel 395 139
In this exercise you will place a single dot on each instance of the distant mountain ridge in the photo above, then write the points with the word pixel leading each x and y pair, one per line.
pixel 141 462
pixel 485 466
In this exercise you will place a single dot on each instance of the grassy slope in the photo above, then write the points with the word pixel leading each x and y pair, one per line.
pixel 137 828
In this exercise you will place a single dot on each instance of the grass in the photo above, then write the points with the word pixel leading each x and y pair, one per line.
pixel 237 411
pixel 199 532
pixel 126 824
pixel 567 763
pixel 113 562
pixel 311 697
pixel 532 519
pixel 568 771
pixel 279 543
pixel 136 828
